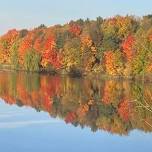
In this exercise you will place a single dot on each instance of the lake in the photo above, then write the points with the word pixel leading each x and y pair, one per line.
pixel 40 112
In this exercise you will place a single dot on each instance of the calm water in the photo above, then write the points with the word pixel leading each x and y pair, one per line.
pixel 52 113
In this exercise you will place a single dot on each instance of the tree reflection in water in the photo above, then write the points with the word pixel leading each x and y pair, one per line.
pixel 114 106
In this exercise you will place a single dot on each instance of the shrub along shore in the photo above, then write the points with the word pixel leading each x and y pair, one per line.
pixel 119 47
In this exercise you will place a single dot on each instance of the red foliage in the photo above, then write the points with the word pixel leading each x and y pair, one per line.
pixel 70 117
pixel 26 43
pixel 50 87
pixel 127 46
pixel 75 29
pixel 50 43
pixel 124 110
pixel 50 54
pixel 51 57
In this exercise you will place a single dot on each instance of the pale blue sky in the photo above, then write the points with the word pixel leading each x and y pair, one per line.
pixel 30 13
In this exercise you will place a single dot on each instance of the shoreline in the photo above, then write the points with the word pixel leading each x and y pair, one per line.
pixel 93 75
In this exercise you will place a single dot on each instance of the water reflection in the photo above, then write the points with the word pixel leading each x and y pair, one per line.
pixel 114 106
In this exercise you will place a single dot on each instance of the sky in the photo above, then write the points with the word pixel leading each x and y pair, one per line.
pixel 28 14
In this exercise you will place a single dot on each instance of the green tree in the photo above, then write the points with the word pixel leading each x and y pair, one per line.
pixel 142 52
pixel 32 60
pixel 14 54
pixel 71 54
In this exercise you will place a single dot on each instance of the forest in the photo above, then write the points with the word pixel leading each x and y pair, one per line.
pixel 116 46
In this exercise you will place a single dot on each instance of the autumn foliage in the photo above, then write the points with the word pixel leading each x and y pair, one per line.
pixel 124 110
pixel 118 46
pixel 127 46
pixel 75 29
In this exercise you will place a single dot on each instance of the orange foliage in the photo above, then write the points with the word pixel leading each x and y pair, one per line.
pixel 82 110
pixel 86 41
pixel 124 110
pixel 108 92
pixel 149 68
pixel 50 43
pixel 127 46
pixel 109 61
pixel 50 55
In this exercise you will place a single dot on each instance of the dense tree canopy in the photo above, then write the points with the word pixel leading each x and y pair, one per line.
pixel 120 46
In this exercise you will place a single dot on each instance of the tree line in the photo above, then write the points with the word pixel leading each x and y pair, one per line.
pixel 117 46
